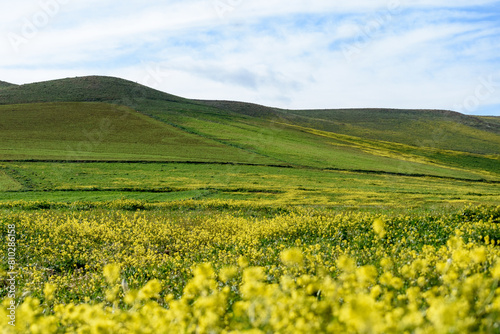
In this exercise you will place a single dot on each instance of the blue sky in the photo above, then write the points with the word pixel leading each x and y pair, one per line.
pixel 289 54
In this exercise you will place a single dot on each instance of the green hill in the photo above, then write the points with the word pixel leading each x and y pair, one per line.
pixel 4 84
pixel 100 131
pixel 96 118
pixel 424 128
pixel 82 89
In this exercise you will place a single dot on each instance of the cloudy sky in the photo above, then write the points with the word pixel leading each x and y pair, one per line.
pixel 438 54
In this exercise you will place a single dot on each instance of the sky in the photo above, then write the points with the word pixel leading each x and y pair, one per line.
pixel 316 54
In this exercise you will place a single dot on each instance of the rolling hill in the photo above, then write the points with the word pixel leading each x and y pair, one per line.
pixel 82 89
pixel 425 128
pixel 110 119
pixel 4 84
pixel 100 131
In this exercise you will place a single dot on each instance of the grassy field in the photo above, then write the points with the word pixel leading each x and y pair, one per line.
pixel 86 89
pixel 68 182
pixel 86 131
pixel 422 128
pixel 173 148
pixel 303 146
pixel 129 210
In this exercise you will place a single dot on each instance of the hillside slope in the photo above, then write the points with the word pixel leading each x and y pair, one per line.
pixel 440 129
pixel 426 128
pixel 410 142
pixel 100 131
pixel 82 89
pixel 4 84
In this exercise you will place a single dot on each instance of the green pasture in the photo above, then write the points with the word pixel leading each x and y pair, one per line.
pixel 101 138
pixel 83 131
pixel 66 182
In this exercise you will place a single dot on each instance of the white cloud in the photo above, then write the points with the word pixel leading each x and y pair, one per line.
pixel 418 54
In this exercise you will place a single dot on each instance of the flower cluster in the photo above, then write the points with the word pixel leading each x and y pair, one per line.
pixel 199 270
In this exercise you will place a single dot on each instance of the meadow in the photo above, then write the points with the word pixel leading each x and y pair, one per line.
pixel 128 210
pixel 98 131
pixel 151 247
pixel 66 182
pixel 232 267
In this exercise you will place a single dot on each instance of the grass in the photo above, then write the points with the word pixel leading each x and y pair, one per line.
pixel 303 146
pixel 86 131
pixel 332 157
pixel 422 128
pixel 56 182
pixel 116 194
pixel 86 89
pixel 7 183
pixel 4 84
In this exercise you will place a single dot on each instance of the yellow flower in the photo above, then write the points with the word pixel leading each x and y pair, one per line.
pixel 253 274
pixel 228 273
pixel 152 289
pixel 495 272
pixel 386 263
pixel 49 290
pixel 346 263
pixel 478 254
pixel 243 262
pixel 131 297
pixel 366 274
pixel 112 273
pixel 376 291
pixel 112 293
pixel 379 227
pixel 292 257
pixel 361 314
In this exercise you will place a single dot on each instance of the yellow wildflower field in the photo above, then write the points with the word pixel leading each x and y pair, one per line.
pixel 220 267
